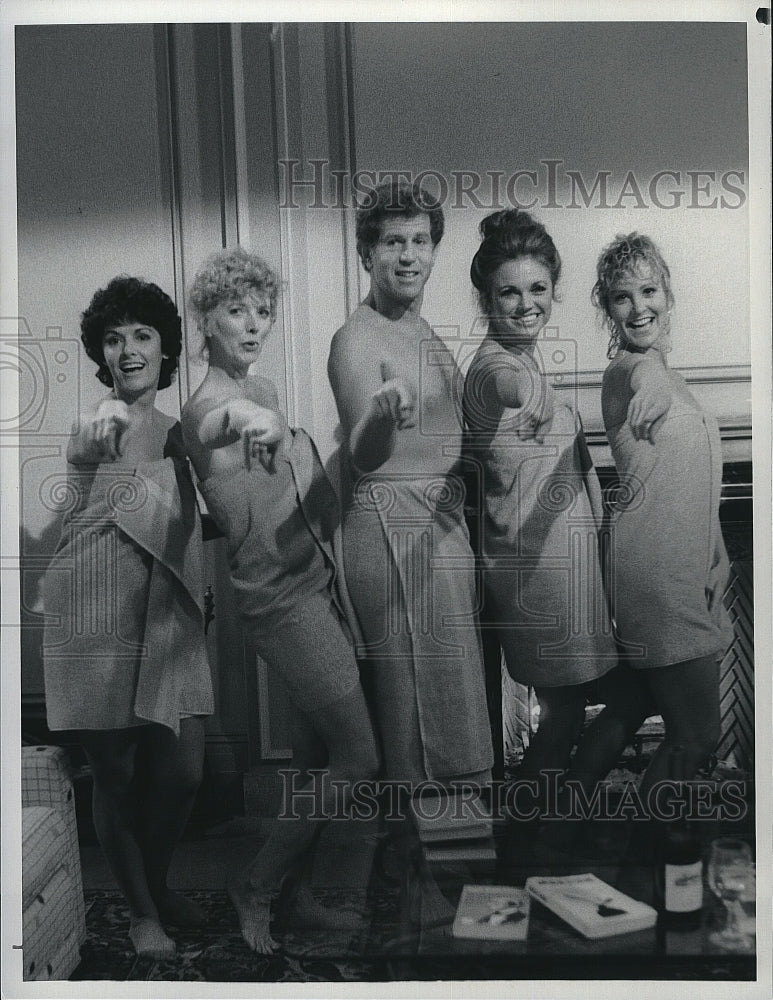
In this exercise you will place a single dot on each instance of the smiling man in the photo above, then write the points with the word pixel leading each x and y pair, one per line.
pixel 408 563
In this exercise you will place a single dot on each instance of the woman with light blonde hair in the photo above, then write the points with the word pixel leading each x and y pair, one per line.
pixel 266 489
pixel 669 564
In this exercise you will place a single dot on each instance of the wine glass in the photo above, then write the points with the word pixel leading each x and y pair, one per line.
pixel 731 872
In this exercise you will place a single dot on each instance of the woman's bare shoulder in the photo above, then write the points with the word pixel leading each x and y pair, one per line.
pixel 493 357
pixel 622 366
pixel 164 421
pixel 215 387
pixel 209 395
pixel 263 391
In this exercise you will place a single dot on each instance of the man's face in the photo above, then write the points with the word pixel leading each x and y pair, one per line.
pixel 402 259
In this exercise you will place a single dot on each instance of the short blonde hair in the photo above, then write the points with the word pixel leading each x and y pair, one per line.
pixel 229 274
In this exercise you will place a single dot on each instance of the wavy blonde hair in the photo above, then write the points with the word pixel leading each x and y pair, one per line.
pixel 230 274
pixel 624 255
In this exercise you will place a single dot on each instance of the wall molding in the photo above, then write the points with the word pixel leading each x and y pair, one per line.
pixel 168 152
pixel 728 431
pixel 284 142
pixel 352 270
pixel 693 375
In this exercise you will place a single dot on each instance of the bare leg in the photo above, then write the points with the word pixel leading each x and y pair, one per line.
pixel 309 754
pixel 346 730
pixel 307 911
pixel 309 750
pixel 111 755
pixel 170 770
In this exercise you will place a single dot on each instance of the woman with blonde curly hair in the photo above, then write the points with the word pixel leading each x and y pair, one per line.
pixel 670 567
pixel 266 489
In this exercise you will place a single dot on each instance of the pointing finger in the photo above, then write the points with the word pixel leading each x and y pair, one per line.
pixel 120 427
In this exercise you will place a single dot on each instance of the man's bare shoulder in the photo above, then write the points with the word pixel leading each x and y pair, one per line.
pixel 363 320
pixel 360 330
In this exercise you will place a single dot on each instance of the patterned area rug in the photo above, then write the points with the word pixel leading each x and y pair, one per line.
pixel 217 953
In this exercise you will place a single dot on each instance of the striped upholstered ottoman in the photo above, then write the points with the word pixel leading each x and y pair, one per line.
pixel 53 924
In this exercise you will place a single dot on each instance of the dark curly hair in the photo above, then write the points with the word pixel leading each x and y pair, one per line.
pixel 395 198
pixel 127 300
pixel 507 235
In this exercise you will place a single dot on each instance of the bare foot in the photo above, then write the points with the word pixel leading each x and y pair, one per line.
pixel 307 911
pixel 178 910
pixel 253 908
pixel 149 939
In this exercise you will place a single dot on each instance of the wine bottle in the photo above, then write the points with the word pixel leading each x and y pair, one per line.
pixel 679 871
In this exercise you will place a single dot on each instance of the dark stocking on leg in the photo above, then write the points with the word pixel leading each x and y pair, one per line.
pixel 627 703
pixel 171 769
pixel 562 712
pixel 687 696
pixel 111 755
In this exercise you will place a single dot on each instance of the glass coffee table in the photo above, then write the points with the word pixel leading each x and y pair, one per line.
pixel 412 903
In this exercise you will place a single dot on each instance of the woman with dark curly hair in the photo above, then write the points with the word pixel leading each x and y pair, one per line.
pixel 669 559
pixel 265 487
pixel 541 513
pixel 125 660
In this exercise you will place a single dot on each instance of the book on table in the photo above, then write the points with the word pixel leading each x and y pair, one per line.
pixel 590 905
pixel 493 912
pixel 452 816
pixel 478 849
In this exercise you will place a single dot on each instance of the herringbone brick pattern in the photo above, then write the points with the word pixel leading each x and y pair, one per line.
pixel 736 685
pixel 736 690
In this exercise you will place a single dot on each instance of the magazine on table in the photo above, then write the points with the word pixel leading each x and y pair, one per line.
pixel 495 912
pixel 590 905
